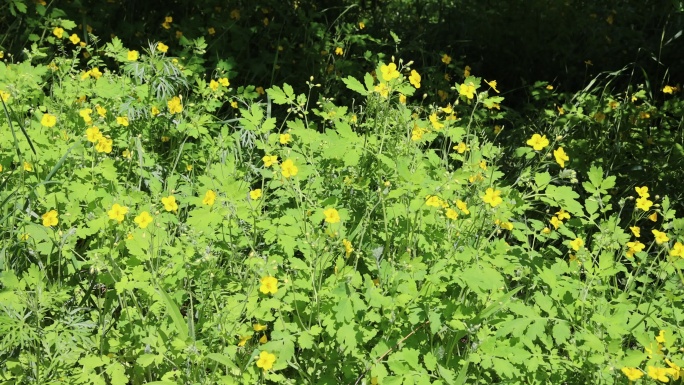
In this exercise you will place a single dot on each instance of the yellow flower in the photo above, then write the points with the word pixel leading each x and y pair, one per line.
pixel 132 55
pixel 50 218
pixel 382 90
pixel 577 244
pixel 259 327
pixel 538 142
pixel 677 250
pixel 467 90
pixel 101 110
pixel 339 51
pixel 170 203
pixel 660 237
pixel 660 338
pixel 402 98
pixel 417 133
pixel 143 220
pixel 28 167
pixel 362 25
pixel 435 122
pixel 127 154
pixel 462 206
pixel 562 214
pixel 269 285
pixel 389 71
pixel 446 59
pixel 85 114
pixel 636 231
pixel 483 165
pixel 555 222
pixel 466 71
pixel 224 82
pixel 331 215
pixel 104 145
pixel 93 134
pixel 546 230
pixel 653 217
pixel 433 201
pixel 234 104
pixel 632 374
pixel 451 213
pixel 165 138
pixel 211 31
pixel 493 85
pixel 235 14
pixel 74 38
pixel 48 120
pixel 270 160
pixel 243 340
pixel 213 84
pixel 122 120
pixel 442 95
pixel 668 90
pixel 492 197
pixel 675 371
pixel 506 225
pixel 642 191
pixel 59 32
pixel 155 111
pixel 163 48
pixel 209 198
pixel 255 194
pixel 175 106
pixel 285 138
pixel 263 339
pixel 95 72
pixel 4 95
pixel 117 212
pixel 461 148
pixel 260 90
pixel 289 169
pixel 643 203
pixel 415 78
pixel 659 374
pixel 633 248
pixel 347 247
pixel 561 156
pixel 265 361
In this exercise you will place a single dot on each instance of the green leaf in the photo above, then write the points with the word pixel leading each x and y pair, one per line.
pixel 277 95
pixel 222 359
pixel 172 309
pixel 542 179
pixel 355 85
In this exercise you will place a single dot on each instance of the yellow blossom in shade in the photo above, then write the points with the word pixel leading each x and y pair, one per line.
pixel 402 98
pixel 289 169
pixel 668 90
pixel 492 197
pixel 211 31
pixel 467 90
pixel 117 212
pixel 163 48
pixel 658 373
pixel 243 340
pixel 154 111
pixel 433 201
pixel 255 194
pixel 48 120
pixel 461 148
pixel 224 82
pixel 632 374
pixel 562 214
pixel 285 138
pixel 642 191
pixel 382 90
pixel 538 142
pixel 660 237
pixel 446 59
pixel 263 339
pixel 442 95
pixel 577 244
pixel 143 219
pixel 561 156
pixel 165 138
pixel 555 222
pixel 549 87
pixel 260 90
pixel 466 71
pixel 362 25
pixel 95 72
pixel 270 160
pixel 101 110
pixel 451 214
pixel 462 206
pixel 209 198
pixel 389 71
pixel 50 218
pixel 435 122
pixel 417 133
pixel 415 78
pixel 643 203
pixel 331 215
pixel 214 85
pixel 636 231
pixel 104 145
pixel 170 203
pixel 93 134
pixel 546 230
pixel 493 85
pixel 259 327
pixel 269 285
pixel 59 32
pixel 506 225
pixel 677 250
pixel 265 360
pixel 339 51
pixel 122 121
pixel 347 247
pixel 126 154
pixel 74 38
pixel 653 217
pixel 633 248
pixel 175 106
pixel 132 55
pixel 28 167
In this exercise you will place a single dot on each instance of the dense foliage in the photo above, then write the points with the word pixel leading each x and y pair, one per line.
pixel 330 192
